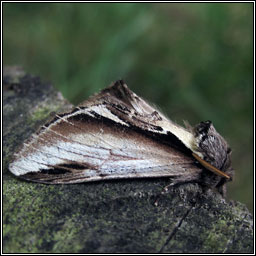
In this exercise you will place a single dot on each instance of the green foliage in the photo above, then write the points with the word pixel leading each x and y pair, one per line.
pixel 195 60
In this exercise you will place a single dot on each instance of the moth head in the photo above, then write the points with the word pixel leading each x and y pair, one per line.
pixel 213 147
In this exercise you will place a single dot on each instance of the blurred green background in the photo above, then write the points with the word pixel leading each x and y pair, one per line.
pixel 194 60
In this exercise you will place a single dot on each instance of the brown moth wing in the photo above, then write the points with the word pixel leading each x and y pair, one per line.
pixel 114 134
pixel 90 143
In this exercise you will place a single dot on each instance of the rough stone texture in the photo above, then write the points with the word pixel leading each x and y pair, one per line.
pixel 121 216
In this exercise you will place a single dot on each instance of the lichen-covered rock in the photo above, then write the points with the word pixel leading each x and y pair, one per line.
pixel 121 216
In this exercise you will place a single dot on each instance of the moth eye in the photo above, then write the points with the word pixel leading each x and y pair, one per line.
pixel 229 150
pixel 203 127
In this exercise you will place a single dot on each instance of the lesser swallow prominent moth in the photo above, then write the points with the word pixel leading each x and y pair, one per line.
pixel 116 134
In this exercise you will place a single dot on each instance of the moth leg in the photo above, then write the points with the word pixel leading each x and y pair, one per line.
pixel 188 177
pixel 222 188
pixel 178 181
pixel 164 191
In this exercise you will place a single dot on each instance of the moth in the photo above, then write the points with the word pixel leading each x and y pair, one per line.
pixel 115 134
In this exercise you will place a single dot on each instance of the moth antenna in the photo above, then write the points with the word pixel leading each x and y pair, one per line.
pixel 210 167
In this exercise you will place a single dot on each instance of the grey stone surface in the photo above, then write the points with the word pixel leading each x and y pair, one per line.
pixel 119 216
